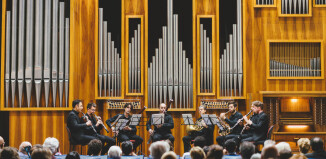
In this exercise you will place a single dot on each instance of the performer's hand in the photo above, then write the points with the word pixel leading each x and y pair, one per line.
pixel 158 126
pixel 150 131
pixel 249 122
pixel 98 123
pixel 88 123
pixel 204 125
pixel 127 128
pixel 222 115
pixel 245 118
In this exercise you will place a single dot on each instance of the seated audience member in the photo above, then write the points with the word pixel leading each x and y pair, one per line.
pixel 52 144
pixel 127 148
pixel 171 144
pixel 269 143
pixel 197 153
pixel 230 147
pixel 317 146
pixel 256 156
pixel 215 152
pixel 158 148
pixel 269 152
pixel 24 149
pixel 9 153
pixel 36 146
pixel 73 155
pixel 115 152
pixel 206 149
pixel 42 153
pixel 2 143
pixel 284 150
pixel 247 149
pixel 299 156
pixel 169 155
pixel 94 147
pixel 200 141
pixel 304 145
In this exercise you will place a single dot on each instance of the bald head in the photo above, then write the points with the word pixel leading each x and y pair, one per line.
pixel 2 142
pixel 162 108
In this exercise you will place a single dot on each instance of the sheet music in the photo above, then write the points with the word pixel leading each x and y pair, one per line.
pixel 135 119
pixel 121 124
pixel 187 119
pixel 213 118
pixel 157 119
pixel 206 119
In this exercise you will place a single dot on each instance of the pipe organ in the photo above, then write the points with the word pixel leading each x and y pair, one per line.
pixel 109 62
pixel 320 2
pixel 231 69
pixel 36 62
pixel 264 2
pixel 205 60
pixel 295 6
pixel 170 73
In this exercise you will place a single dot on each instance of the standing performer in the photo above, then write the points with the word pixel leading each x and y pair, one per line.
pixel 235 116
pixel 163 131
pixel 128 132
pixel 205 131
pixel 98 125
pixel 258 125
pixel 76 126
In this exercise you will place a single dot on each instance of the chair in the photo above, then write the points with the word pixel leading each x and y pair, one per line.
pixel 72 143
pixel 260 144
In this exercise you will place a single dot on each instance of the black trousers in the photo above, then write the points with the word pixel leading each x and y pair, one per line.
pixel 221 139
pixel 159 136
pixel 127 137
pixel 187 141
pixel 83 139
pixel 107 142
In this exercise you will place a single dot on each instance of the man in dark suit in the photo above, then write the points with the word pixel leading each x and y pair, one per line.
pixel 235 116
pixel 77 126
pixel 258 125
pixel 162 131
pixel 128 132
pixel 206 132
pixel 97 124
pixel 317 146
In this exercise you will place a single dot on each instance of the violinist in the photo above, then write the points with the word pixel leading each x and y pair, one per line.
pixel 232 121
pixel 128 132
pixel 98 125
pixel 77 126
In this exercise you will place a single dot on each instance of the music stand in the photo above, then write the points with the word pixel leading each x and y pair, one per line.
pixel 135 120
pixel 157 119
pixel 121 124
pixel 187 119
pixel 206 119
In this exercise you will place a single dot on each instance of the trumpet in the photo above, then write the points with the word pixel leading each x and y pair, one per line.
pixel 99 118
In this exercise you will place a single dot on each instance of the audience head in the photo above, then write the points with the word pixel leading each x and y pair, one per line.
pixel 158 148
pixel 197 153
pixel 298 156
pixel 171 144
pixel 206 149
pixel 73 155
pixel 247 149
pixel 42 153
pixel 94 147
pixel 114 152
pixel 9 153
pixel 126 147
pixel 25 147
pixel 215 152
pixel 316 144
pixel 269 143
pixel 285 154
pixel 269 153
pixel 2 143
pixel 36 146
pixel 256 156
pixel 230 146
pixel 284 150
pixel 169 155
pixel 200 141
pixel 52 144
pixel 304 145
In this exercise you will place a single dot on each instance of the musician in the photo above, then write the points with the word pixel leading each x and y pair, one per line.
pixel 258 125
pixel 162 131
pixel 97 124
pixel 206 132
pixel 128 132
pixel 235 116
pixel 77 126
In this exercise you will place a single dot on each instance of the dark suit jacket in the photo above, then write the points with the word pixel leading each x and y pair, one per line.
pixel 75 125
pixel 167 125
pixel 319 154
pixel 206 132
pixel 233 120
pixel 260 126
pixel 89 130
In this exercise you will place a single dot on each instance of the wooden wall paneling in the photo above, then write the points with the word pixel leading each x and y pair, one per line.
pixel 3 49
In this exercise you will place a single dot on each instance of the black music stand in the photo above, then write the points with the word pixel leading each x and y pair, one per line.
pixel 187 119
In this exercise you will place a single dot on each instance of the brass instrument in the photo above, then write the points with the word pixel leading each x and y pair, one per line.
pixel 226 127
pixel 195 128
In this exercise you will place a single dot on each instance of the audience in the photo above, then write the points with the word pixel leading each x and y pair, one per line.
pixel 94 147
pixel 304 145
pixel 127 147
pixel 206 149
pixel 73 155
pixel 300 156
pixel 171 144
pixel 269 143
pixel 269 152
pixel 115 152
pixel 2 143
pixel 158 148
pixel 169 155
pixel 230 147
pixel 9 153
pixel 317 146
pixel 24 149
pixel 247 149
pixel 256 156
pixel 52 144
pixel 215 152
pixel 42 153
pixel 200 141
pixel 36 146
pixel 284 150
pixel 197 153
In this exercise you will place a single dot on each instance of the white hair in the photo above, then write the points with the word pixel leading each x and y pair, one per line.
pixel 23 145
pixel 283 146
pixel 114 151
pixel 158 148
pixel 256 156
pixel 52 144
pixel 269 143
